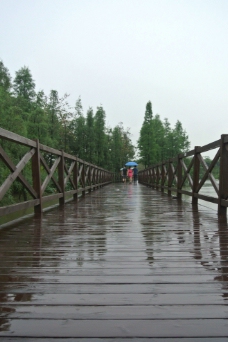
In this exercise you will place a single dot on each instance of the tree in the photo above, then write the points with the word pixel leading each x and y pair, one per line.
pixel 78 131
pixel 37 125
pixel 100 137
pixel 146 142
pixel 5 78
pixel 52 110
pixel 24 85
pixel 181 142
pixel 90 137
pixel 158 141
pixel 64 116
pixel 168 140
pixel 159 133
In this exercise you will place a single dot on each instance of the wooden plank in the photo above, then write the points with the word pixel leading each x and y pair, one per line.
pixel 18 206
pixel 185 192
pixel 51 197
pixel 21 178
pixel 208 147
pixel 62 288
pixel 124 263
pixel 50 175
pixel 116 328
pixel 224 203
pixel 206 198
pixel 114 299
pixel 186 173
pixel 69 172
pixel 51 171
pixel 51 150
pixel 16 138
pixel 134 279
pixel 208 172
pixel 118 339
pixel 11 178
pixel 82 312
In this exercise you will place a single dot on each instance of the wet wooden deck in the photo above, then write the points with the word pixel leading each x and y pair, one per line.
pixel 125 262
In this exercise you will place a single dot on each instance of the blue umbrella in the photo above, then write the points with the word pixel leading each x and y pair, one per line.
pixel 131 164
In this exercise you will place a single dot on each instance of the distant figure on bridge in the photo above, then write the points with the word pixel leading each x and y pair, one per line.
pixel 124 172
pixel 135 174
pixel 130 174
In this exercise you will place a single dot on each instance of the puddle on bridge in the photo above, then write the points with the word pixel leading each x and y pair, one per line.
pixel 123 257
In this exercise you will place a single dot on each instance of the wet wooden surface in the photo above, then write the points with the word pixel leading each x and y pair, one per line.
pixel 125 262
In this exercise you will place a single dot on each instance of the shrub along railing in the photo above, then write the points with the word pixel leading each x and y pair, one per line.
pixel 41 175
pixel 173 174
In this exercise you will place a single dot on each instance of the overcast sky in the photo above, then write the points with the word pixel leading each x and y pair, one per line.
pixel 123 53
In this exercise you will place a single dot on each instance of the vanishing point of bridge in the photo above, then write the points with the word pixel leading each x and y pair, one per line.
pixel 122 262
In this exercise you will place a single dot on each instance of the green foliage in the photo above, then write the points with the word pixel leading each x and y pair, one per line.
pixel 5 78
pixel 146 142
pixel 51 120
pixel 23 84
pixel 158 141
pixel 90 137
pixel 99 136
pixel 120 147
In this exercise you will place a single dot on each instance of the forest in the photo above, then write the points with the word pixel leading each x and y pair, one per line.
pixel 50 119
pixel 158 141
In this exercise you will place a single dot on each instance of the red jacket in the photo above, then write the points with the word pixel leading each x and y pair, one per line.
pixel 130 173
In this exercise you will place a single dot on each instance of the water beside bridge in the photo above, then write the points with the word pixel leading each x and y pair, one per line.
pixel 124 262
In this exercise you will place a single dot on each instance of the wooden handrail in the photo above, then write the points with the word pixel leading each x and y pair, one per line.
pixel 68 174
pixel 173 173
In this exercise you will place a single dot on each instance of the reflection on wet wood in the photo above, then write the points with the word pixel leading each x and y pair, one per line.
pixel 125 262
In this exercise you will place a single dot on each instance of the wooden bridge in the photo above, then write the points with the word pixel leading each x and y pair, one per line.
pixel 125 262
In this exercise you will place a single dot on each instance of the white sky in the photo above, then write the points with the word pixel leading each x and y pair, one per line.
pixel 123 53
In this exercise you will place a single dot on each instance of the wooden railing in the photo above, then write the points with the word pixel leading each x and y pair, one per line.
pixel 190 169
pixel 46 174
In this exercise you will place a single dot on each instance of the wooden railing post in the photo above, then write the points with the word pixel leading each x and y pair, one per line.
pixel 83 179
pixel 75 178
pixel 61 179
pixel 223 175
pixel 151 179
pixel 179 176
pixel 196 174
pixel 170 178
pixel 90 178
pixel 162 177
pixel 157 177
pixel 36 178
pixel 96 177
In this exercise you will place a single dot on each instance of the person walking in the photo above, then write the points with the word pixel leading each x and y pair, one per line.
pixel 135 174
pixel 130 174
pixel 124 171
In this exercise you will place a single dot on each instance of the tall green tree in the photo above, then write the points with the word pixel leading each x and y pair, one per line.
pixel 24 90
pixel 146 142
pixel 158 141
pixel 90 136
pixel 64 117
pixel 159 133
pixel 23 84
pixel 5 78
pixel 100 136
pixel 38 120
pixel 78 129
pixel 52 110
pixel 180 138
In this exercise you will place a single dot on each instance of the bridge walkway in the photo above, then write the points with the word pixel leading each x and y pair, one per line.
pixel 124 262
